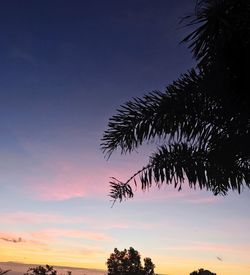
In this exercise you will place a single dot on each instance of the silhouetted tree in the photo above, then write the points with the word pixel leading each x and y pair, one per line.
pixel 40 270
pixel 2 272
pixel 202 272
pixel 148 267
pixel 128 262
pixel 202 118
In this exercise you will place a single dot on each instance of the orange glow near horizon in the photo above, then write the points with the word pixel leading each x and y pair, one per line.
pixel 36 254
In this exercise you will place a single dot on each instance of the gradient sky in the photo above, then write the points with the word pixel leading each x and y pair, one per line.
pixel 66 66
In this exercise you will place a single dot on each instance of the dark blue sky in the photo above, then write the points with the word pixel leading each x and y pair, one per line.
pixel 66 66
pixel 71 61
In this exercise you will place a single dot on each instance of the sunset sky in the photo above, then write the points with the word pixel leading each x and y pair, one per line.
pixel 66 66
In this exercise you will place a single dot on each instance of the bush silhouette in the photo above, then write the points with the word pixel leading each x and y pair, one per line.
pixel 202 271
pixel 40 270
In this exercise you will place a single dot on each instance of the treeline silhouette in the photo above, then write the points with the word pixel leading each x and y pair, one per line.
pixel 125 266
pixel 120 262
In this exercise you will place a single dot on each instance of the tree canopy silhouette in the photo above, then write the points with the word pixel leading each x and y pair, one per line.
pixel 40 270
pixel 128 262
pixel 202 271
pixel 202 118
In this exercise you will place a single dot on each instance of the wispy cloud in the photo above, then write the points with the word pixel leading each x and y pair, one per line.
pixel 38 248
pixel 66 180
pixel 22 238
pixel 46 219
pixel 49 234
pixel 56 233
pixel 20 217
pixel 60 177
pixel 39 218
pixel 19 240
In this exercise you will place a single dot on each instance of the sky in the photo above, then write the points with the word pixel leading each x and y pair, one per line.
pixel 66 66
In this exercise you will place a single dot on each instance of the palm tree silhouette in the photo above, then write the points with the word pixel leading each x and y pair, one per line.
pixel 202 118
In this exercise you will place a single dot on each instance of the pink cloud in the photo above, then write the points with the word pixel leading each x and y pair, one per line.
pixel 6 237
pixel 66 181
pixel 77 184
pixel 32 218
pixel 60 189
pixel 20 239
pixel 233 249
pixel 42 237
pixel 61 178
pixel 55 233
pixel 38 218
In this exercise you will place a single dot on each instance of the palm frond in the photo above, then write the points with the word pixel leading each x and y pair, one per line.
pixel 203 118
pixel 223 29
pixel 201 168
pixel 182 111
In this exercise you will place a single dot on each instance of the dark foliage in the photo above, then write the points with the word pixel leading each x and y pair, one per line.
pixel 128 262
pixel 202 118
pixel 40 270
pixel 202 272
pixel 2 272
